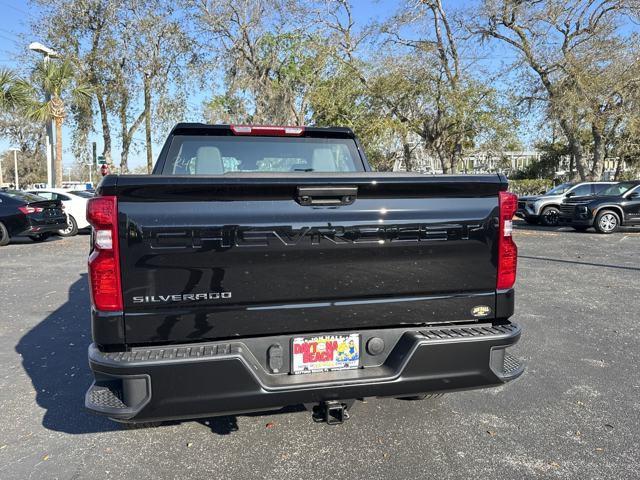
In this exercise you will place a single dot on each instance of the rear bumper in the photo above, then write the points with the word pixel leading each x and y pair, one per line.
pixel 575 215
pixel 525 215
pixel 45 225
pixel 527 211
pixel 218 378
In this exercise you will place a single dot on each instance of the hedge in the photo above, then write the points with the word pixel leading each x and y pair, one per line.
pixel 530 186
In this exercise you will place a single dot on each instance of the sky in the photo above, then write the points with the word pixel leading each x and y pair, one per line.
pixel 14 24
pixel 14 36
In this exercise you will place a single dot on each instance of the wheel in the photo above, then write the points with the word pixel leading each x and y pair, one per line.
pixel 550 216
pixel 531 221
pixel 72 228
pixel 580 228
pixel 4 235
pixel 607 221
pixel 41 237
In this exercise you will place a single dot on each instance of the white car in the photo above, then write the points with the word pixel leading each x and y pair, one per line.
pixel 75 206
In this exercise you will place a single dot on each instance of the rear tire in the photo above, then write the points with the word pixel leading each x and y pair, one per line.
pixel 550 216
pixel 72 228
pixel 4 235
pixel 607 221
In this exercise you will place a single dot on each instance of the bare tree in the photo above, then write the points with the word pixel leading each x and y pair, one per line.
pixel 560 42
pixel 29 137
pixel 84 32
pixel 270 62
pixel 159 54
pixel 446 102
pixel 132 54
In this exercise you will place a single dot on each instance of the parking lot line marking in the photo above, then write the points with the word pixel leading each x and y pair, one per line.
pixel 575 262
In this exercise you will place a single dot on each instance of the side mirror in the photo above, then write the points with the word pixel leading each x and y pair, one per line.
pixel 570 194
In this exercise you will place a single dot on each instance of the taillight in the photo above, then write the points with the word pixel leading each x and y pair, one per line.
pixel 270 130
pixel 507 249
pixel 104 266
pixel 27 209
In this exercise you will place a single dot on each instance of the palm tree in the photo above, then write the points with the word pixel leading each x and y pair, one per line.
pixel 11 95
pixel 53 85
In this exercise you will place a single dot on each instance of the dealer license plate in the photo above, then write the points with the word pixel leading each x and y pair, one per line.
pixel 325 353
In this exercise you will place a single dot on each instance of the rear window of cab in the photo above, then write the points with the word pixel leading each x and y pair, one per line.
pixel 217 155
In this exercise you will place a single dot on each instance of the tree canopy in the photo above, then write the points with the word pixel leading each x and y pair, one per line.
pixel 428 78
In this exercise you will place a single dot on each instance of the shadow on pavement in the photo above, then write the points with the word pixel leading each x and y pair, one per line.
pixel 54 355
pixel 27 240
pixel 229 424
pixel 221 425
pixel 51 238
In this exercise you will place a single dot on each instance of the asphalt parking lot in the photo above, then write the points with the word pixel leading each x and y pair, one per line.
pixel 574 414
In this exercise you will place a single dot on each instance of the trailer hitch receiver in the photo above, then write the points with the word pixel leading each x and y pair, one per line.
pixel 331 412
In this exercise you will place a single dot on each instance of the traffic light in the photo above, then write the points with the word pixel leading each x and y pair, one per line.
pixel 104 170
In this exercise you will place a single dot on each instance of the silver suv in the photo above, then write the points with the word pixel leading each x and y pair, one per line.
pixel 546 208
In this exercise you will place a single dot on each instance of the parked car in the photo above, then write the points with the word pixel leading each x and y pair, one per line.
pixel 80 186
pixel 23 213
pixel 261 267
pixel 615 206
pixel 83 193
pixel 75 205
pixel 545 209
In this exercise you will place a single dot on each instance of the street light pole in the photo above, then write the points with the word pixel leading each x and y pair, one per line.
pixel 90 173
pixel 15 167
pixel 48 54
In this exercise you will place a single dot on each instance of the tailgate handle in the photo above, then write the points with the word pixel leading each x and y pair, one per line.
pixel 312 196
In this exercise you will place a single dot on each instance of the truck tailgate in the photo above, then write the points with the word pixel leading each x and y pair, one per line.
pixel 243 255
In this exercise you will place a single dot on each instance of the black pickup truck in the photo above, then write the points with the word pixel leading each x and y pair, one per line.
pixel 262 267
